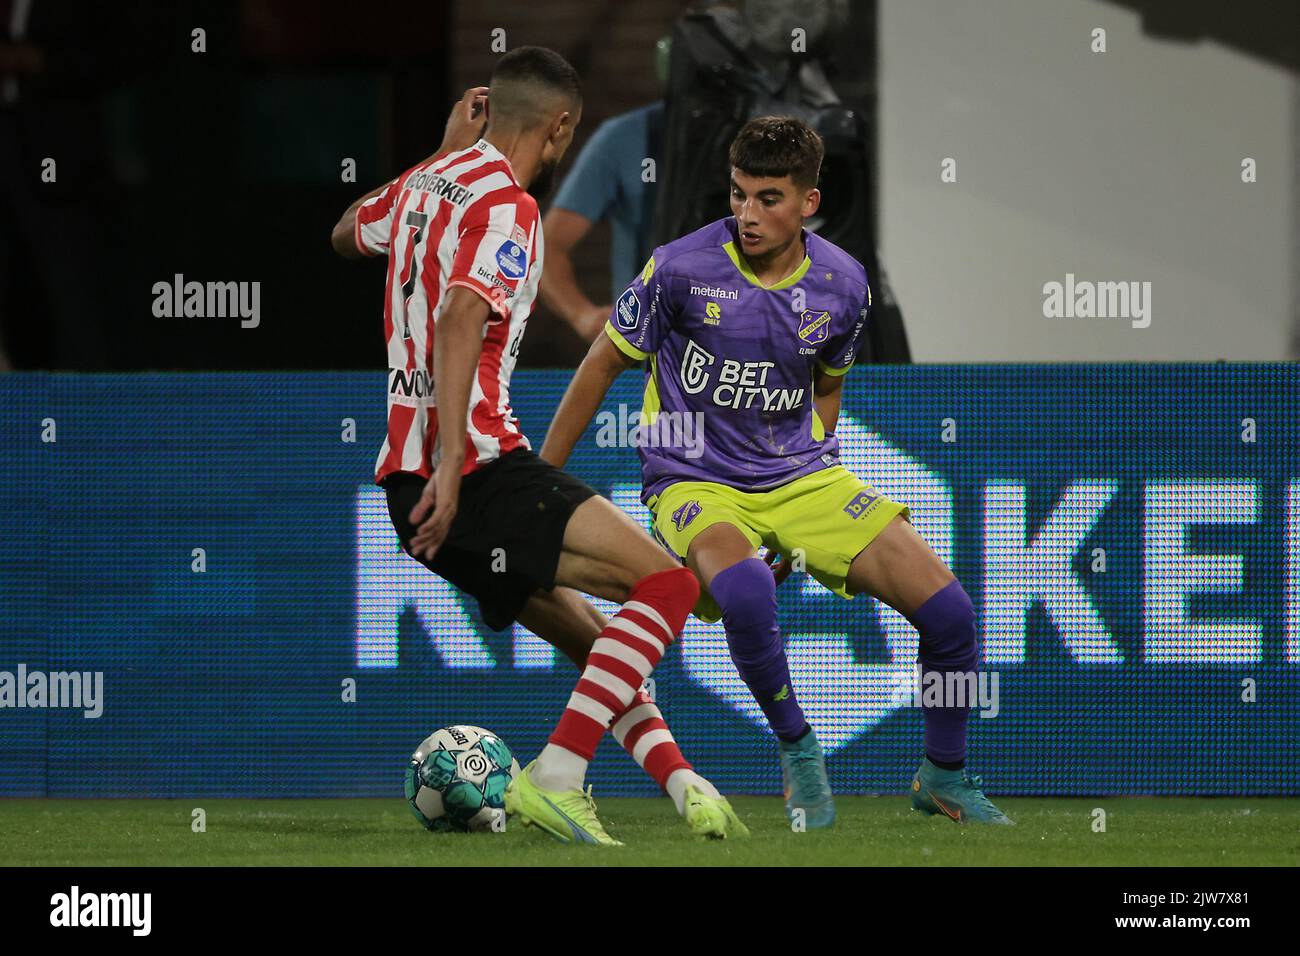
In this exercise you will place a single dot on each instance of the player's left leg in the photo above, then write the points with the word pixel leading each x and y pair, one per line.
pixel 901 569
pixel 569 622
pixel 852 540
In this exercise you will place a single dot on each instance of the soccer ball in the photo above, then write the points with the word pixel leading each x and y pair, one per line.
pixel 457 779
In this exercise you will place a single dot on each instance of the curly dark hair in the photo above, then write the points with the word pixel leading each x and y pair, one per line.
pixel 778 146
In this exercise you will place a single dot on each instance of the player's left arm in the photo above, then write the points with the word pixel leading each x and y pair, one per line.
pixel 827 390
pixel 457 343
pixel 464 127
pixel 837 357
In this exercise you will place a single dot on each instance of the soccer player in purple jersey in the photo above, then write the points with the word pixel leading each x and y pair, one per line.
pixel 749 326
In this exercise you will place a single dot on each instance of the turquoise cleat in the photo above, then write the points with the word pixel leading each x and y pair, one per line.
pixel 803 775
pixel 954 793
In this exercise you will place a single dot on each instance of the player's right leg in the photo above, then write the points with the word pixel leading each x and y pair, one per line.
pixel 714 527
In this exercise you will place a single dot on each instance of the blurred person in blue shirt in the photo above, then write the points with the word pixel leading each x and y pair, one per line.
pixel 609 180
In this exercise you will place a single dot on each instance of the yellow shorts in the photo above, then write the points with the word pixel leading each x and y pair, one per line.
pixel 829 516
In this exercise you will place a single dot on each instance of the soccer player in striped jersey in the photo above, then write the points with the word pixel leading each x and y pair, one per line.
pixel 465 491
pixel 749 325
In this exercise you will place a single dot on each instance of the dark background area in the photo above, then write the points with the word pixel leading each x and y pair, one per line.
pixel 222 166
pixel 225 165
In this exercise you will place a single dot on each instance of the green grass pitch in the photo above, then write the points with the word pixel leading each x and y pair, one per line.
pixel 870 831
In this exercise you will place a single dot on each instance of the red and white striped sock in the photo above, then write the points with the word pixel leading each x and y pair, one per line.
pixel 620 660
pixel 643 733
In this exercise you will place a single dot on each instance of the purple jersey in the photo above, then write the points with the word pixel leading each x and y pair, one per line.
pixel 729 386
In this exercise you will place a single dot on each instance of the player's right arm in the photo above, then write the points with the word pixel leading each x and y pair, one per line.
pixel 457 344
pixel 604 363
pixel 635 329
pixel 345 238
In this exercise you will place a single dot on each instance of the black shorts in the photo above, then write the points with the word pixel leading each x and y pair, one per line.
pixel 506 538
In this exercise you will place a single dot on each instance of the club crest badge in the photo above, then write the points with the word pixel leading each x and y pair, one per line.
pixel 814 327
pixel 686 514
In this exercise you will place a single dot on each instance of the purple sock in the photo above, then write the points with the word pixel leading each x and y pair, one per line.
pixel 946 622
pixel 746 592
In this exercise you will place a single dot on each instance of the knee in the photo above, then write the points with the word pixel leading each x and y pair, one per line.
pixel 746 594
pixel 946 624
pixel 648 560
pixel 672 592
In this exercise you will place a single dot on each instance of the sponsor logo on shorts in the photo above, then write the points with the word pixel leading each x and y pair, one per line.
pixel 814 327
pixel 686 514
pixel 512 259
pixel 862 502
pixel 628 311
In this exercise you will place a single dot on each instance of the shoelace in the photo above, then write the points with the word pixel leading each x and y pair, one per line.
pixel 976 783
pixel 590 801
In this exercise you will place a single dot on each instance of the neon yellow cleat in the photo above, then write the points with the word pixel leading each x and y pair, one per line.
pixel 712 817
pixel 568 815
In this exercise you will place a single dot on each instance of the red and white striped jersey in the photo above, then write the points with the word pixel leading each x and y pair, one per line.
pixel 461 219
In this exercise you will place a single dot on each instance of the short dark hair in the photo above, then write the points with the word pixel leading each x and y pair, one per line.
pixel 778 146
pixel 524 79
